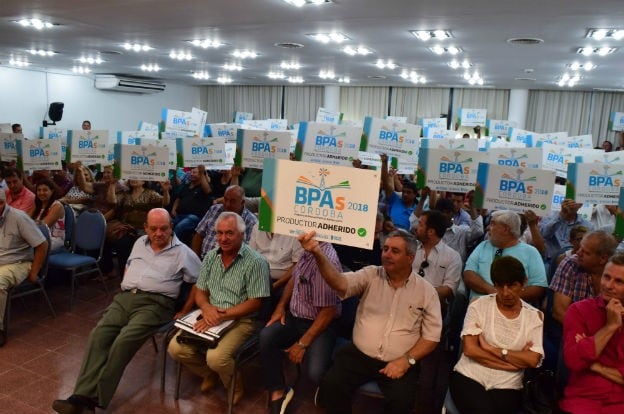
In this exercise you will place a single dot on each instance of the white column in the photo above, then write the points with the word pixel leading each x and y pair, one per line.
pixel 331 97
pixel 518 106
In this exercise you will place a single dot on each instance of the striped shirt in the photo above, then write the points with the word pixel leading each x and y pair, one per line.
pixel 206 227
pixel 246 278
pixel 311 292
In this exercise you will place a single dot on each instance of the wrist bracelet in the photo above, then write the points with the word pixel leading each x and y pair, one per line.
pixel 301 345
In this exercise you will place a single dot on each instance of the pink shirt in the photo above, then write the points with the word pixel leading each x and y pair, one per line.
pixel 24 201
pixel 587 391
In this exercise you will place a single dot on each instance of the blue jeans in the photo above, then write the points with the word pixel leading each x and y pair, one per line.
pixel 183 224
pixel 277 337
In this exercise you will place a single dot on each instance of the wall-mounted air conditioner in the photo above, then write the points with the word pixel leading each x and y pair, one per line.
pixel 126 84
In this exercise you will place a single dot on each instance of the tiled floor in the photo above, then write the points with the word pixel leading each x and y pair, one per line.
pixel 42 357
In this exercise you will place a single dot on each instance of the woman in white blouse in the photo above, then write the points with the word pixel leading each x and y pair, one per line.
pixel 502 336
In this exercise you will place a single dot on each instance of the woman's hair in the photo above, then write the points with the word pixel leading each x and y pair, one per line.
pixel 79 171
pixel 507 270
pixel 38 204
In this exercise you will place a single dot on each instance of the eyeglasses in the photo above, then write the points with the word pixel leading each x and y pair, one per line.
pixel 498 253
pixel 423 265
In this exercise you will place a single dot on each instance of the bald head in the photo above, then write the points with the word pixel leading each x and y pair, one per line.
pixel 234 199
pixel 158 228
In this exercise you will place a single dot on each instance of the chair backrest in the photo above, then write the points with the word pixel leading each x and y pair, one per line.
pixel 43 272
pixel 89 233
pixel 70 219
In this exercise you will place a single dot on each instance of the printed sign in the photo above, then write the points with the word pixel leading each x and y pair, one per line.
pixel 253 146
pixel 169 144
pixel 472 117
pixel 328 144
pixel 141 162
pixel 56 133
pixel 8 149
pixel 146 126
pixel 369 158
pixel 557 158
pixel 198 121
pixel 516 157
pixel 227 131
pixel 38 154
pixel 521 136
pixel 240 117
pixel 445 170
pixel 465 144
pixel 179 121
pixel 486 143
pixel 513 188
pixel 278 124
pixel 580 141
pixel 401 119
pixel 89 147
pixel 329 117
pixel 498 127
pixel 594 183
pixel 559 192
pixel 255 124
pixel 613 157
pixel 616 121
pixel 338 203
pixel 135 137
pixel 209 152
pixel 438 133
pixel 433 124
pixel 391 138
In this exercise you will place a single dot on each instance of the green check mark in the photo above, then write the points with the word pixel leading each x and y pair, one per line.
pixel 361 232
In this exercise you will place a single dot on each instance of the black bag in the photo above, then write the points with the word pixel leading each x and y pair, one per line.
pixel 201 343
pixel 539 392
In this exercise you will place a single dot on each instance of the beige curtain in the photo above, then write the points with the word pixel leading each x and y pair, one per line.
pixel 301 103
pixel 222 101
pixel 357 102
pixel 603 103
pixel 556 111
pixel 496 101
pixel 416 103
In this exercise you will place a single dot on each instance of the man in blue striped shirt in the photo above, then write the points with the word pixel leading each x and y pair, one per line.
pixel 232 281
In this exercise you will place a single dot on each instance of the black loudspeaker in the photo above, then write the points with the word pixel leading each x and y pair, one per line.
pixel 56 111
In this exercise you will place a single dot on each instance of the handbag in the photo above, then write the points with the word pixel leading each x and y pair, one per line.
pixel 539 392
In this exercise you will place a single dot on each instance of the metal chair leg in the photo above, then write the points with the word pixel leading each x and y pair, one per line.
pixel 176 394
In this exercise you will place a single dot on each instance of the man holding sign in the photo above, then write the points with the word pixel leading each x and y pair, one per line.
pixel 386 345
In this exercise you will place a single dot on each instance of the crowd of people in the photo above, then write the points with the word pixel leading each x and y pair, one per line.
pixel 451 297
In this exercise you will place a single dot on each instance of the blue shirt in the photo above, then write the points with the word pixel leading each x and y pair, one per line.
pixel 398 212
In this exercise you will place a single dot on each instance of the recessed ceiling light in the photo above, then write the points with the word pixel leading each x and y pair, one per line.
pixel 202 75
pixel 137 47
pixel 231 67
pixel 19 62
pixel 413 76
pixel 360 50
pixel 41 52
pixel 332 37
pixel 300 3
pixel 290 65
pixel 90 60
pixel 326 74
pixel 35 23
pixel 425 35
pixel 465 64
pixel 276 75
pixel 568 80
pixel 451 50
pixel 81 70
pixel 224 79
pixel 245 54
pixel 600 51
pixel 600 34
pixel 180 55
pixel 150 68
pixel 344 79
pixel 206 43
pixel 295 79
pixel 587 66
pixel 381 64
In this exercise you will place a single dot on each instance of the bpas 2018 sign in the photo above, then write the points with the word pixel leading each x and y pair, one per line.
pixel 327 144
pixel 141 162
pixel 253 146
pixel 38 154
pixel 594 183
pixel 337 202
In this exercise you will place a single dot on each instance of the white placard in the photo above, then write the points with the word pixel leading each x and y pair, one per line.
pixel 557 158
pixel 278 124
pixel 464 144
pixel 370 158
pixel 135 137
pixel 516 157
pixel 209 152
pixel 180 121
pixel 559 192
pixel 401 119
pixel 498 127
pixel 521 136
pixel 56 133
pixel 198 121
pixel 240 117
pixel 253 146
pixel 339 203
pixel 445 170
pixel 39 154
pixel 472 117
pixel 439 133
pixel 89 147
pixel 616 121
pixel 329 117
pixel 513 188
pixel 227 131
pixel 329 144
pixel 146 126
pixel 8 149
pixel 391 138
pixel 142 162
pixel 595 183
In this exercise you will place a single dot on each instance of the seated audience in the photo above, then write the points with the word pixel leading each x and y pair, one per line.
pixel 49 210
pixel 503 240
pixel 502 336
pixel 157 267
pixel 75 197
pixel 400 207
pixel 397 324
pixel 17 195
pixel 191 201
pixel 233 280
pixel 457 237
pixel 355 258
pixel 576 235
pixel 300 328
pixel 593 347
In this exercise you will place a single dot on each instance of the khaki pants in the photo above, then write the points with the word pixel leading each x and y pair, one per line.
pixel 219 360
pixel 10 275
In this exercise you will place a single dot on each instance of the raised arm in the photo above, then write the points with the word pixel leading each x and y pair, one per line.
pixel 333 278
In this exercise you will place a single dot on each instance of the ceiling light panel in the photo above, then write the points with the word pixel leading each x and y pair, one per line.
pixel 386 64
pixel 19 62
pixel 41 52
pixel 202 75
pixel 301 3
pixel 344 79
pixel 206 43
pixel 413 76
pixel 81 70
pixel 587 66
pixel 332 37
pixel 450 50
pixel 290 65
pixel 245 54
pixel 137 47
pixel 232 67
pixel 295 79
pixel 224 79
pixel 35 23
pixel 327 74
pixel 276 75
pixel 359 50
pixel 569 80
pixel 180 55
pixel 90 60
pixel 426 35
pixel 150 68
pixel 464 64
pixel 593 51
pixel 600 34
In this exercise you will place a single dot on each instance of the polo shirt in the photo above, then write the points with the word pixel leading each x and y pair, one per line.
pixel 18 235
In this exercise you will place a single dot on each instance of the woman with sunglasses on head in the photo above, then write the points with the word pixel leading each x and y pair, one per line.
pixel 502 336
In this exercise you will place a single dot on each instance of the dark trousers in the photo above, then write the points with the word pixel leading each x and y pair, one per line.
pixel 471 397
pixel 351 369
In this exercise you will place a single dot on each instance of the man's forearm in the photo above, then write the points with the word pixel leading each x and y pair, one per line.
pixel 334 279
pixel 242 309
pixel 321 322
pixel 612 374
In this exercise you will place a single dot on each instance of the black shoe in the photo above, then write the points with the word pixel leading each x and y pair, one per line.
pixel 76 404
pixel 3 337
pixel 279 406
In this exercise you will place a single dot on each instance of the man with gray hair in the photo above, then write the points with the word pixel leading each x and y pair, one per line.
pixel 504 240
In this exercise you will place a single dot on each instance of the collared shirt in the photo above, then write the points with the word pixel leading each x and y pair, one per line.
pixel 572 281
pixel 24 201
pixel 311 292
pixel 206 227
pixel 462 218
pixel 484 318
pixel 160 272
pixel 459 238
pixel 556 232
pixel 390 321
pixel 481 259
pixel 445 265
pixel 247 277
pixel 399 212
pixel 280 250
pixel 581 322
pixel 18 235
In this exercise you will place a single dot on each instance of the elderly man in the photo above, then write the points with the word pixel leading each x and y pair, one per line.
pixel 578 276
pixel 504 240
pixel 205 237
pixel 555 227
pixel 232 282
pixel 18 262
pixel 17 195
pixel 398 323
pixel 158 265
pixel 593 346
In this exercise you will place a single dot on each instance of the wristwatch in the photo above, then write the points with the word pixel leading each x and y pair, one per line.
pixel 504 353
pixel 410 359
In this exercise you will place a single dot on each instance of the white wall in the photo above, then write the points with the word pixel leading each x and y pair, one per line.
pixel 25 96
